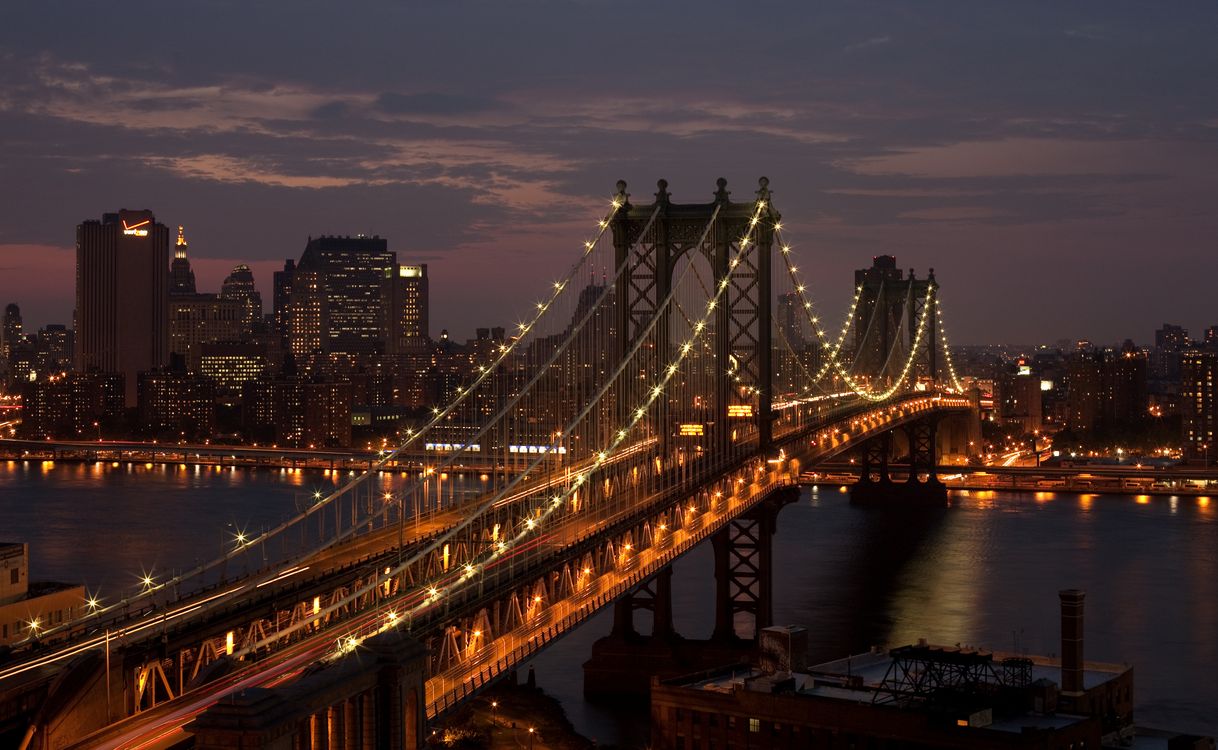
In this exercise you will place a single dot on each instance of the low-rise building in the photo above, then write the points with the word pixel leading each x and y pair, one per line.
pixel 27 608
pixel 920 696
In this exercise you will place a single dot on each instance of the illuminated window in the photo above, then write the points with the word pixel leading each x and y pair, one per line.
pixel 754 725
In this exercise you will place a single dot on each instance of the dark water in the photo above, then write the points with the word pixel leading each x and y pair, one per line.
pixel 985 573
pixel 103 525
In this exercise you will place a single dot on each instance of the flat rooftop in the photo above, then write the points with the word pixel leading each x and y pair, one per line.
pixel 858 678
pixel 872 667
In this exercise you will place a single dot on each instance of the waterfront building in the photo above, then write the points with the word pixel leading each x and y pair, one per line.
pixel 298 412
pixel 1199 402
pixel 1106 389
pixel 74 406
pixel 26 607
pixel 176 404
pixel 230 365
pixel 122 286
pixel 912 696
pixel 181 277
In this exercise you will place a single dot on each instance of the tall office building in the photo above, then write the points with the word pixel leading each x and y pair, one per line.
pixel 122 285
pixel 281 300
pixel 878 320
pixel 408 316
pixel 239 286
pixel 181 277
pixel 1199 402
pixel 342 296
pixel 12 326
pixel 10 336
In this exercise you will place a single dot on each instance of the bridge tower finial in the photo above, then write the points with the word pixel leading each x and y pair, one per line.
pixel 721 195
pixel 662 197
pixel 622 197
pixel 763 189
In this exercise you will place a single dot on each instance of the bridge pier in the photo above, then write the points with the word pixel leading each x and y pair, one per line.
pixel 921 486
pixel 623 663
pixel 654 595
pixel 744 567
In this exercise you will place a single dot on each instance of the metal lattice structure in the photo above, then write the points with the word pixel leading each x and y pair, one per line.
pixel 625 420
pixel 934 674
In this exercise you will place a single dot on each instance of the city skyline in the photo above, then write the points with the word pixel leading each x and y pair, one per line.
pixel 1066 143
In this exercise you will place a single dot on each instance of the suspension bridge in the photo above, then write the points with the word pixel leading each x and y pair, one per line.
pixel 664 390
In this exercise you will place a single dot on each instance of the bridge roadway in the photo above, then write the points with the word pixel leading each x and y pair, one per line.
pixel 368 549
pixel 261 589
pixel 246 455
pixel 162 724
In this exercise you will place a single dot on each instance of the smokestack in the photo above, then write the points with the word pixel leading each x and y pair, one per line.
pixel 1072 641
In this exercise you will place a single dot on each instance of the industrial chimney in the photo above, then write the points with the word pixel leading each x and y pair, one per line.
pixel 1072 641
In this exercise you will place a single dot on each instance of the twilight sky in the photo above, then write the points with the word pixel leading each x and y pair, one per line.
pixel 1057 163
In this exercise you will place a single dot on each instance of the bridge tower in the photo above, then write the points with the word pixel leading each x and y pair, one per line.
pixel 742 339
pixel 886 296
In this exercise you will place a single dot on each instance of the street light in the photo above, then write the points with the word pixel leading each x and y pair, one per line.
pixel 531 733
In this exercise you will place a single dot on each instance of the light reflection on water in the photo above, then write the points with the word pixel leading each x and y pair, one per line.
pixel 985 572
pixel 102 524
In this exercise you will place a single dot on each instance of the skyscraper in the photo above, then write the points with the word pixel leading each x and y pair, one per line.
pixel 10 337
pixel 1199 402
pixel 122 285
pixel 409 316
pixel 239 286
pixel 181 278
pixel 341 294
pixel 878 321
pixel 282 300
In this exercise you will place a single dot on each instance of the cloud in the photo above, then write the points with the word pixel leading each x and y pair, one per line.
pixel 874 41
pixel 431 103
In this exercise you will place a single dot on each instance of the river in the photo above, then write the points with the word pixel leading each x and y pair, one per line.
pixel 985 572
